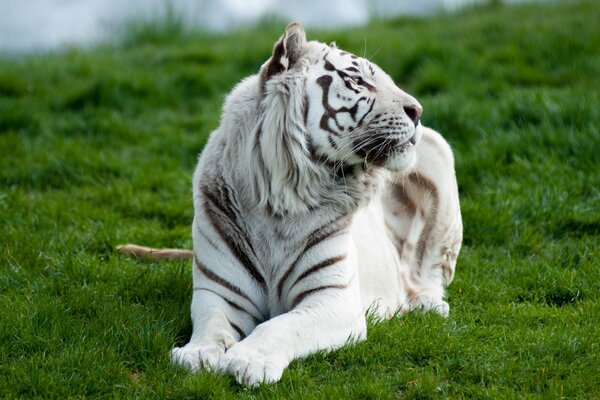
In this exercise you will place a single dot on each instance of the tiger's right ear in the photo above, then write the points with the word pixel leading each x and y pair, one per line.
pixel 286 52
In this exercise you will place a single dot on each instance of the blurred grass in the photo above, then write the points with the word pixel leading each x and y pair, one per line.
pixel 98 147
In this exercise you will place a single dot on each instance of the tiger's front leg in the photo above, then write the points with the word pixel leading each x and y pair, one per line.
pixel 222 312
pixel 324 316
pixel 213 333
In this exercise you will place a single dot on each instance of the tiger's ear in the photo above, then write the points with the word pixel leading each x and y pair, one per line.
pixel 286 52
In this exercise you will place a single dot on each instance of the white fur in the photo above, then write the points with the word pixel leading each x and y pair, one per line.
pixel 258 165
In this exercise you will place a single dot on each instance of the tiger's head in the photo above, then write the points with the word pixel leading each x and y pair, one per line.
pixel 353 112
pixel 326 108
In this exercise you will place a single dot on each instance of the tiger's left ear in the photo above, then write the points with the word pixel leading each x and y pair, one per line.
pixel 286 52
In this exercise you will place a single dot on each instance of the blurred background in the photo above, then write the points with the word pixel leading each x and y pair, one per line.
pixel 49 24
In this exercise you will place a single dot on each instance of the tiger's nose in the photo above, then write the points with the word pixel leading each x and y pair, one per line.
pixel 413 111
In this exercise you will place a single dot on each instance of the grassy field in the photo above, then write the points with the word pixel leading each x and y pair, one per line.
pixel 97 148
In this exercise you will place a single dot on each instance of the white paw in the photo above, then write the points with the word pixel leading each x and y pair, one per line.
pixel 427 303
pixel 250 367
pixel 194 357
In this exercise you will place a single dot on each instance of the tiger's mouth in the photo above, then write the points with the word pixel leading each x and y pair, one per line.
pixel 402 156
pixel 378 150
pixel 404 147
pixel 412 141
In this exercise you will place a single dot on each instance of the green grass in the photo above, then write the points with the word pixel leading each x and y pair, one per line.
pixel 97 148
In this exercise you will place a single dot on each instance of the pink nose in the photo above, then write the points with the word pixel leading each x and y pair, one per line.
pixel 413 111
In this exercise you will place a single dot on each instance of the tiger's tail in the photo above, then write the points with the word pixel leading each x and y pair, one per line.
pixel 154 254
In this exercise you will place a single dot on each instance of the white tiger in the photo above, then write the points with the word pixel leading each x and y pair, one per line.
pixel 319 196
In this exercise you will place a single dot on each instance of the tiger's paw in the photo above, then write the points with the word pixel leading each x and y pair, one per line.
pixel 427 303
pixel 193 357
pixel 250 366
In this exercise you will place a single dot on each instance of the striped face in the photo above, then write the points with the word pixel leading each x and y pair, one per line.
pixel 356 114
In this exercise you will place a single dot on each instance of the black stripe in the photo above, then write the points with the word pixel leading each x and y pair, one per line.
pixel 328 66
pixel 219 203
pixel 222 282
pixel 237 329
pixel 305 110
pixel 332 142
pixel 239 245
pixel 327 231
pixel 237 250
pixel 207 239
pixel 370 87
pixel 319 235
pixel 325 82
pixel 367 113
pixel 287 274
pixel 298 299
pixel 317 267
pixel 352 110
pixel 233 304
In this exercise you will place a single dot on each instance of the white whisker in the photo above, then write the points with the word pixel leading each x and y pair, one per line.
pixel 374 54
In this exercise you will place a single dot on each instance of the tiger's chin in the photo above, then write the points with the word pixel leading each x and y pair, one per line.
pixel 403 160
pixel 404 156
